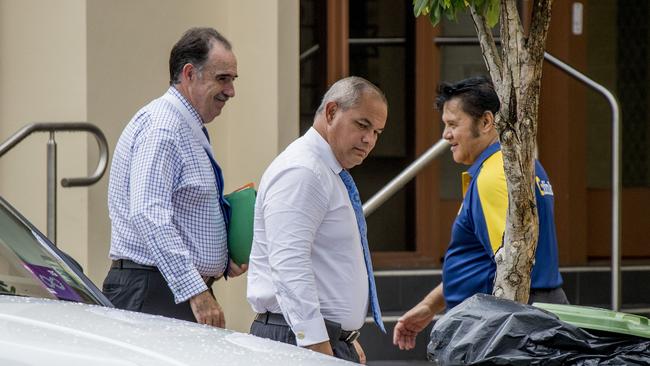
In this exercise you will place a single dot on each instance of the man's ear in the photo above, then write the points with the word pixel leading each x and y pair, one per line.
pixel 330 111
pixel 487 121
pixel 188 71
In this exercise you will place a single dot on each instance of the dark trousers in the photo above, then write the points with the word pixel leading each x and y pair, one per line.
pixel 143 290
pixel 277 329
pixel 551 296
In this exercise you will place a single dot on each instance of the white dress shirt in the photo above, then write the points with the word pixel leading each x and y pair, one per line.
pixel 163 198
pixel 307 260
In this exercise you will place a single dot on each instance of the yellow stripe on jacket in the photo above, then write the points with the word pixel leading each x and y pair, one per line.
pixel 493 194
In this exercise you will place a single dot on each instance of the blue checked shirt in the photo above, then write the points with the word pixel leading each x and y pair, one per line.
pixel 163 199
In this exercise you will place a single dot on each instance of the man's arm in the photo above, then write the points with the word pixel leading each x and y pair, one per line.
pixel 154 168
pixel 294 207
pixel 416 319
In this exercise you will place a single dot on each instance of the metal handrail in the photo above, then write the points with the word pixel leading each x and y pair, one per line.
pixel 313 49
pixel 616 172
pixel 404 177
pixel 21 134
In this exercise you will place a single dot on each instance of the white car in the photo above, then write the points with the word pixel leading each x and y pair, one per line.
pixel 52 314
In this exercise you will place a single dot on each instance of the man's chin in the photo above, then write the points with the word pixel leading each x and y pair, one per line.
pixel 354 163
pixel 458 160
pixel 215 115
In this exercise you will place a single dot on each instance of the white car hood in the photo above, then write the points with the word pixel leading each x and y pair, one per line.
pixel 47 332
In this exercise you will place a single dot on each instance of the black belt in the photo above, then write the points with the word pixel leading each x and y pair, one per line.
pixel 129 264
pixel 347 336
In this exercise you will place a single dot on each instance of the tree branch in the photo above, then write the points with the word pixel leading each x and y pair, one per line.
pixel 490 52
pixel 513 43
pixel 541 18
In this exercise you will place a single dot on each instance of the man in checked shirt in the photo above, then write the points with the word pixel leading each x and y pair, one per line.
pixel 165 198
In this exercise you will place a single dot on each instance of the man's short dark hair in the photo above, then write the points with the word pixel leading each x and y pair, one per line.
pixel 193 48
pixel 476 95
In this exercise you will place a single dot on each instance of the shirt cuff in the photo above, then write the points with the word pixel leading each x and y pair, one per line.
pixel 310 332
pixel 187 286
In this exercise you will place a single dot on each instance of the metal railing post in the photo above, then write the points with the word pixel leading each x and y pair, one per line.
pixel 51 188
pixel 52 128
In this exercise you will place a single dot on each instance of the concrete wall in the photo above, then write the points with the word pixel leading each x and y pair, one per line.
pixel 43 79
pixel 100 61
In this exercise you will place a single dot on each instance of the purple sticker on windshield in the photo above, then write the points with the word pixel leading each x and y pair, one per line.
pixel 53 281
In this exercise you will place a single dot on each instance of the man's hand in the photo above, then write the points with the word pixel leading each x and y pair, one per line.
pixel 410 324
pixel 207 310
pixel 362 355
pixel 234 270
pixel 416 319
pixel 323 347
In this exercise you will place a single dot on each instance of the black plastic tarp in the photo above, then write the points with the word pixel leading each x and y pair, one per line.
pixel 485 330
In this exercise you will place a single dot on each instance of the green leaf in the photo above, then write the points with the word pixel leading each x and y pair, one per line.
pixel 492 12
pixel 451 14
pixel 434 8
pixel 419 6
pixel 438 11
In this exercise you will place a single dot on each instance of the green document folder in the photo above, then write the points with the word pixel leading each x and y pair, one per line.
pixel 240 231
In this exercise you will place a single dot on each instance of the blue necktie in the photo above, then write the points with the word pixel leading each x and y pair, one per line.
pixel 353 193
pixel 223 204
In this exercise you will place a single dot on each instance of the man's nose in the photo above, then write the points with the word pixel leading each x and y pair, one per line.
pixel 446 133
pixel 368 137
pixel 229 90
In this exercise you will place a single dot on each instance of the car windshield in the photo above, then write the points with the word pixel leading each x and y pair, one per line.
pixel 30 266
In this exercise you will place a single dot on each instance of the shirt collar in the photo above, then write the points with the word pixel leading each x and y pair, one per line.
pixel 197 117
pixel 481 158
pixel 323 149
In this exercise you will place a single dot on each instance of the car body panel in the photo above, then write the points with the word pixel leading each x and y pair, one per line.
pixel 42 331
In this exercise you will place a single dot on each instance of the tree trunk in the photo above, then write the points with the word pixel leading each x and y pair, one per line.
pixel 517 73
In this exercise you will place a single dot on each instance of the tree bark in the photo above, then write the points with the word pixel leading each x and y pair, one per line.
pixel 517 74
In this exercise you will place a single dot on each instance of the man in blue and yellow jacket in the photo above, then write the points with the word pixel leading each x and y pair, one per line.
pixel 469 107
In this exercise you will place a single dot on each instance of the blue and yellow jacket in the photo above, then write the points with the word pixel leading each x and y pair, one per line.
pixel 477 233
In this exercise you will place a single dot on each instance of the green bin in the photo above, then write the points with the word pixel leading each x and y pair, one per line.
pixel 599 319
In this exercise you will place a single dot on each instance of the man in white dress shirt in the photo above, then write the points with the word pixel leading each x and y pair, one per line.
pixel 308 279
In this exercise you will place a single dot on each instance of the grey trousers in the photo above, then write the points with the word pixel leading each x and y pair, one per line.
pixel 282 333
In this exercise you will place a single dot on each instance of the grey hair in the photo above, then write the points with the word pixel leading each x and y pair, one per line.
pixel 347 92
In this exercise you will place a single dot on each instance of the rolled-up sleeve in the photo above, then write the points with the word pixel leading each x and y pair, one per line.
pixel 293 211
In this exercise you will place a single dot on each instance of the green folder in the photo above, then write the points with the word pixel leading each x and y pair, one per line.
pixel 240 231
